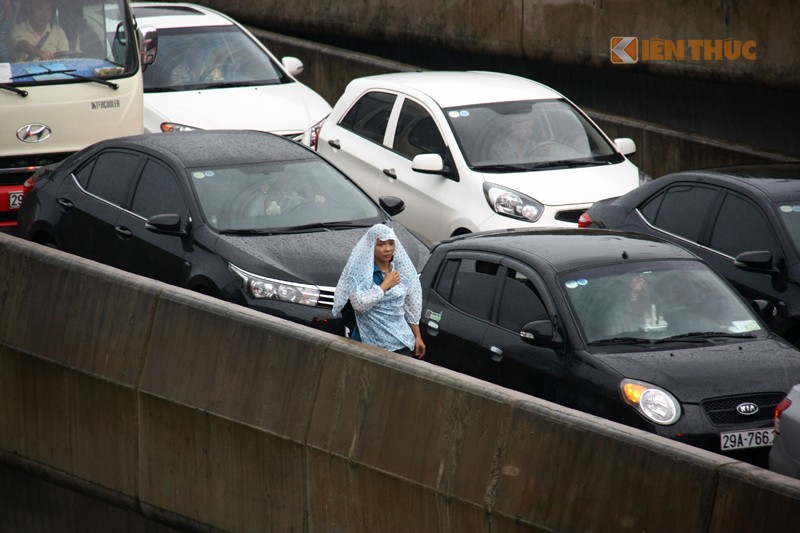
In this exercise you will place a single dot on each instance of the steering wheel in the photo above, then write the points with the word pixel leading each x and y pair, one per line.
pixel 544 146
pixel 303 203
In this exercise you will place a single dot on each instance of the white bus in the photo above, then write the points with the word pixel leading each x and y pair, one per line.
pixel 70 75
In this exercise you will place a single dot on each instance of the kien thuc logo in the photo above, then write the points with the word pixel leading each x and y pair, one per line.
pixel 624 50
pixel 629 50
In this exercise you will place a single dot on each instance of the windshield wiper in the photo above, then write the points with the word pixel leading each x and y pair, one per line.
pixel 68 72
pixel 246 232
pixel 327 226
pixel 23 93
pixel 502 168
pixel 572 163
pixel 323 225
pixel 701 336
pixel 620 340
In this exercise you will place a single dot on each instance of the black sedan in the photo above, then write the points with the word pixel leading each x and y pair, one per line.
pixel 743 221
pixel 248 217
pixel 619 325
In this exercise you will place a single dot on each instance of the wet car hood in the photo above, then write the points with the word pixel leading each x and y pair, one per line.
pixel 316 258
pixel 281 109
pixel 695 373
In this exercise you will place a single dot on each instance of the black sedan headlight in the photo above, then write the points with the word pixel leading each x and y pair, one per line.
pixel 260 287
pixel 510 203
pixel 652 402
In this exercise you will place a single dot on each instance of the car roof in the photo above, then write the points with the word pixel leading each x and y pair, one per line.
pixel 457 88
pixel 564 249
pixel 202 148
pixel 776 181
pixel 177 15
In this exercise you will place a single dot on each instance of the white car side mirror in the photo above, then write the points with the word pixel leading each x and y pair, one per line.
pixel 625 145
pixel 293 65
pixel 428 164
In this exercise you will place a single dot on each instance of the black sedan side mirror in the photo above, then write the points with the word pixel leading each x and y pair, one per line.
pixel 541 333
pixel 392 204
pixel 756 261
pixel 169 224
pixel 765 309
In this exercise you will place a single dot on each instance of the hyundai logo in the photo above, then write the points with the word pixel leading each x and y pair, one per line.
pixel 33 133
pixel 747 409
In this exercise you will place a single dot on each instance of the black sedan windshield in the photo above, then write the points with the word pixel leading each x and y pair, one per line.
pixel 789 213
pixel 656 302
pixel 280 195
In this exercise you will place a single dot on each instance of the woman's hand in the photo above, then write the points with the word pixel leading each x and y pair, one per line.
pixel 419 345
pixel 390 280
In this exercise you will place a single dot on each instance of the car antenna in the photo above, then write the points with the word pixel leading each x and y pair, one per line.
pixel 624 254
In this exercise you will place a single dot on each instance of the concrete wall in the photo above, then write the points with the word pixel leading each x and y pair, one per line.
pixel 567 31
pixel 207 415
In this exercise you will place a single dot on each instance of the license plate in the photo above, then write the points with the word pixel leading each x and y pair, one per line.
pixel 739 440
pixel 14 200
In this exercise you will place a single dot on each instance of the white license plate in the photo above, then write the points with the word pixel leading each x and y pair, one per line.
pixel 753 438
pixel 14 200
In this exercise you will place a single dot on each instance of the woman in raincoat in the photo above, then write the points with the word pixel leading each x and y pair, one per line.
pixel 381 283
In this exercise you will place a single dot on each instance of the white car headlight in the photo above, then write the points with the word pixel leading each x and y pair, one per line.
pixel 267 288
pixel 167 127
pixel 654 403
pixel 510 203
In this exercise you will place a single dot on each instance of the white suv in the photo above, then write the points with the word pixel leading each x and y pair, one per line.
pixel 471 151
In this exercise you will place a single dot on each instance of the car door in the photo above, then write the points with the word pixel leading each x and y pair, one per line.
pixel 90 203
pixel 457 310
pixel 717 224
pixel 144 251
pixel 355 144
pixel 434 202
pixel 522 298
pixel 740 225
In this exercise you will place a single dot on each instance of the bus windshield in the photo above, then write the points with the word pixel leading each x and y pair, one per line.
pixel 65 41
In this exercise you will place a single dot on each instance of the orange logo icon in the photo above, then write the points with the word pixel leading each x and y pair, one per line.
pixel 624 50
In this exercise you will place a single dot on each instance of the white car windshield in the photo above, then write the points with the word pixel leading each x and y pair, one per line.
pixel 526 135
pixel 208 57
pixel 280 195
pixel 675 300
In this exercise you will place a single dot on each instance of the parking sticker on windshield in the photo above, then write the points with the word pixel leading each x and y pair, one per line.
pixel 454 114
pixel 198 175
pixel 790 208
pixel 575 283
pixel 743 326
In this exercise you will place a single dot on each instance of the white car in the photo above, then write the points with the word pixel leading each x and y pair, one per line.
pixel 470 151
pixel 211 73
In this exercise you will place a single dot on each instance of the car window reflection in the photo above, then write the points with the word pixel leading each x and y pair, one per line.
pixel 278 195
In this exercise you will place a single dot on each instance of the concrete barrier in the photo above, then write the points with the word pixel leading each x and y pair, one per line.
pixel 210 416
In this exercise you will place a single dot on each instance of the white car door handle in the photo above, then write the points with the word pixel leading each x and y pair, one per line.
pixel 335 143
pixel 390 172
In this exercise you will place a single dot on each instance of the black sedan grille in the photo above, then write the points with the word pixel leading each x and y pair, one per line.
pixel 570 216
pixel 722 411
pixel 325 296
